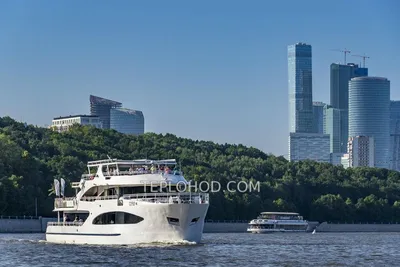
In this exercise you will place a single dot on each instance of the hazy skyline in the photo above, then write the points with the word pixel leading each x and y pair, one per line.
pixel 209 70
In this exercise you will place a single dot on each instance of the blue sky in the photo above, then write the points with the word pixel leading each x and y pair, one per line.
pixel 209 70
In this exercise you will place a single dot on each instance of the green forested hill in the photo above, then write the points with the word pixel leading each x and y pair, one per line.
pixel 31 157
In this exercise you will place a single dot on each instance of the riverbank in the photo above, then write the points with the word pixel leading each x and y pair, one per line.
pixel 341 227
pixel 24 224
pixel 39 224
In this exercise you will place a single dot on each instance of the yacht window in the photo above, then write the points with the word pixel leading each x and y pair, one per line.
pixel 117 218
pixel 194 220
pixel 174 221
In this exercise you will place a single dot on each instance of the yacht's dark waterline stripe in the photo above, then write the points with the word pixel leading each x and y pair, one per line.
pixel 83 234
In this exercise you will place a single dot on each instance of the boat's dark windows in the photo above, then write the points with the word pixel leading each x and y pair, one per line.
pixel 174 221
pixel 130 218
pixel 136 190
pixel 117 218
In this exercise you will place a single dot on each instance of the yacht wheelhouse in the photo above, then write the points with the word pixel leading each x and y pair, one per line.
pixel 269 222
pixel 128 202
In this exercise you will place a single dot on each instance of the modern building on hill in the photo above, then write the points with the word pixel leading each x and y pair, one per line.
pixel 318 121
pixel 309 146
pixel 395 135
pixel 369 114
pixel 340 75
pixel 361 151
pixel 300 88
pixel 62 124
pixel 332 127
pixel 101 107
pixel 127 121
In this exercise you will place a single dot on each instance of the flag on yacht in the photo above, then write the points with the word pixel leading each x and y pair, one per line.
pixel 57 187
pixel 62 186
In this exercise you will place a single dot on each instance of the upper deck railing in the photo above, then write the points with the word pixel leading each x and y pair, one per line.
pixel 180 198
pixel 103 161
pixel 280 218
pixel 94 198
pixel 132 162
pixel 171 198
pixel 67 202
pixel 126 173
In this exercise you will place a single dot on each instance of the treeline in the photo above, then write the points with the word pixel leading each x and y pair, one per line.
pixel 31 157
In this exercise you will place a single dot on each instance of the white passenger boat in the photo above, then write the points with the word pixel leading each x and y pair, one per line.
pixel 129 202
pixel 270 222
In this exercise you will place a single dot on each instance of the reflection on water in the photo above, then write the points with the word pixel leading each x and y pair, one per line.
pixel 280 249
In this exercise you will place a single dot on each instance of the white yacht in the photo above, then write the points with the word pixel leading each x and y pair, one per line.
pixel 121 202
pixel 270 222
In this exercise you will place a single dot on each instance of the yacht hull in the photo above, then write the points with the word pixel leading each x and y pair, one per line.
pixel 155 227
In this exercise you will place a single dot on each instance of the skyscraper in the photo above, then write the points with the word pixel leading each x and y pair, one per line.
pixel 318 120
pixel 369 113
pixel 101 107
pixel 127 121
pixel 395 135
pixel 332 127
pixel 300 88
pixel 340 75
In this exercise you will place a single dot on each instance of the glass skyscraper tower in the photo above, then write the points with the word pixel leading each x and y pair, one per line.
pixel 395 135
pixel 332 127
pixel 127 121
pixel 300 88
pixel 318 110
pixel 339 94
pixel 369 114
pixel 101 108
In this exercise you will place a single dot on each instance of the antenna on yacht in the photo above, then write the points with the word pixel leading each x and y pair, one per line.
pixel 108 157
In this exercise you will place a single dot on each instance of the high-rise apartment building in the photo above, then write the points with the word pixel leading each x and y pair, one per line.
pixel 127 121
pixel 361 151
pixel 395 135
pixel 332 127
pixel 311 146
pixel 101 107
pixel 300 88
pixel 318 121
pixel 369 114
pixel 340 75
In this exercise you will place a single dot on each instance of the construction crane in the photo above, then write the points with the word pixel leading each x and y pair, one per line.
pixel 364 57
pixel 345 51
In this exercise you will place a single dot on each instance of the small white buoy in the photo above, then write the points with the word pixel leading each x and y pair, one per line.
pixel 314 231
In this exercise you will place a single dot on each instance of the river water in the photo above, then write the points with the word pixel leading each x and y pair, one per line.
pixel 280 249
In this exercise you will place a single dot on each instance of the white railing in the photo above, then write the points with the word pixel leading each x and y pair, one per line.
pixel 64 223
pixel 184 198
pixel 180 198
pixel 103 161
pixel 99 198
pixel 123 173
pixel 87 176
pixel 75 184
pixel 67 202
pixel 117 173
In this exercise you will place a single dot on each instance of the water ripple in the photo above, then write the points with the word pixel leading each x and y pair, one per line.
pixel 216 250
